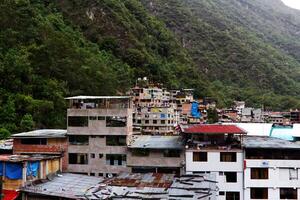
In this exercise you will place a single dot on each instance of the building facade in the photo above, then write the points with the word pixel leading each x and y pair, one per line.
pixel 99 129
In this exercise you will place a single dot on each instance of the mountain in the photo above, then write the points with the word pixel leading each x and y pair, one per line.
pixel 226 49
pixel 53 49
pixel 249 49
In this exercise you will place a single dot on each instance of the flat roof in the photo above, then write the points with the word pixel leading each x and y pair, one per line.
pixel 267 142
pixel 214 129
pixel 97 97
pixel 65 185
pixel 42 133
pixel 156 142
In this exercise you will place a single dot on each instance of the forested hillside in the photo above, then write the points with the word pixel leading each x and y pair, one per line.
pixel 226 49
pixel 249 49
pixel 50 50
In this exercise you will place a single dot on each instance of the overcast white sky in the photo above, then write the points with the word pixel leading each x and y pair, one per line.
pixel 292 3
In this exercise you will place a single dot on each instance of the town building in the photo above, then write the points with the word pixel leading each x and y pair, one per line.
pixel 272 168
pixel 21 170
pixel 157 154
pixel 217 150
pixel 99 129
pixel 42 142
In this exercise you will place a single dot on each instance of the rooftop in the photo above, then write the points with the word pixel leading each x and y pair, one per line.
pixel 214 129
pixel 156 142
pixel 97 97
pixel 42 133
pixel 266 142
pixel 66 185
pixel 21 158
pixel 157 186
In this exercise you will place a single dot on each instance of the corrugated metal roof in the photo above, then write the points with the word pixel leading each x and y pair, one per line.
pixel 97 97
pixel 42 133
pixel 6 144
pixel 266 142
pixel 214 129
pixel 21 158
pixel 156 142
pixel 73 186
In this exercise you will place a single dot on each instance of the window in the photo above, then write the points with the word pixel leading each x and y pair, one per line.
pixel 92 118
pixel 92 155
pixel 163 121
pixel 100 155
pixel 78 139
pixel 101 117
pixel 140 152
pixel 146 121
pixel 293 174
pixel 259 193
pixel 139 121
pixel 92 174
pixel 259 173
pixel 115 121
pixel 221 193
pixel 154 121
pixel 231 177
pixel 118 140
pixel 172 153
pixel 115 159
pixel 232 196
pixel 288 193
pixel 78 158
pixel 35 141
pixel 78 121
pixel 228 156
pixel 100 174
pixel 200 156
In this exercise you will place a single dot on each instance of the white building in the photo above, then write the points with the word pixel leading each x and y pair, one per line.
pixel 271 168
pixel 217 150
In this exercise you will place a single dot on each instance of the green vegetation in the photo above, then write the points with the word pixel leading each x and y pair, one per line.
pixel 249 50
pixel 47 55
pixel 53 49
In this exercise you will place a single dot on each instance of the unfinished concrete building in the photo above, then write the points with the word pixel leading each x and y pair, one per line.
pixel 99 129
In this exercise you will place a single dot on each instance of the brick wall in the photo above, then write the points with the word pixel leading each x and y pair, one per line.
pixel 54 146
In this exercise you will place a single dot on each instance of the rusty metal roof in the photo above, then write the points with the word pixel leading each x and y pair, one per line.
pixel 21 158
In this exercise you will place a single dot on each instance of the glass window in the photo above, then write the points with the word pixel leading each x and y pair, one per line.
pixel 232 196
pixel 116 159
pixel 101 117
pixel 231 177
pixel 140 152
pixel 92 155
pixel 93 117
pixel 114 121
pixel 259 173
pixel 115 140
pixel 78 158
pixel 34 141
pixel 78 121
pixel 78 139
pixel 228 156
pixel 200 156
pixel 259 193
pixel 288 193
pixel 293 174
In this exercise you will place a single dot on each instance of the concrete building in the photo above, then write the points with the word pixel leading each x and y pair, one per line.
pixel 155 120
pixel 272 168
pixel 43 142
pixel 156 154
pixel 99 128
pixel 217 150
